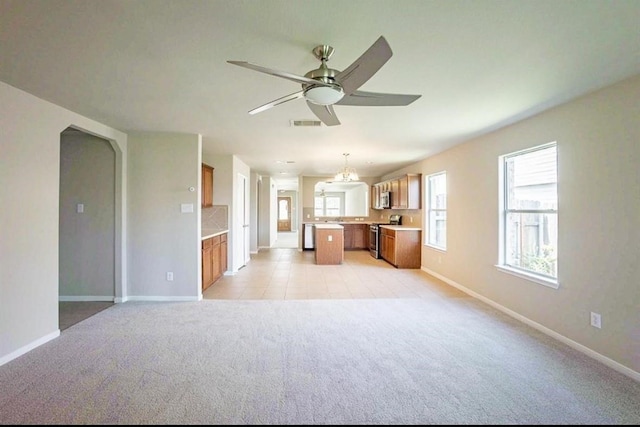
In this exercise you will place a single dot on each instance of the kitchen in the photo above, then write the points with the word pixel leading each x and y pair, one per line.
pixel 375 223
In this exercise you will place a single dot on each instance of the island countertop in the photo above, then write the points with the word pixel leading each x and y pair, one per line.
pixel 325 226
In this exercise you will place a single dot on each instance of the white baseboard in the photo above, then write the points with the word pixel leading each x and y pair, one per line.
pixel 553 334
pixel 70 298
pixel 27 348
pixel 162 299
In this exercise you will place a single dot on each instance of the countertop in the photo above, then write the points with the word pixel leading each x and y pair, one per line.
pixel 401 227
pixel 212 232
pixel 341 222
pixel 328 226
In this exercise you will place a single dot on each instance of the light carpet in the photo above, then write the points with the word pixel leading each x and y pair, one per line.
pixel 368 361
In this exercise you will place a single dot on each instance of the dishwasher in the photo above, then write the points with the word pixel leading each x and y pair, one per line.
pixel 309 237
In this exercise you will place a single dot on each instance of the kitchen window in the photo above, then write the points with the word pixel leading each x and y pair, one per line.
pixel 437 211
pixel 328 205
pixel 529 214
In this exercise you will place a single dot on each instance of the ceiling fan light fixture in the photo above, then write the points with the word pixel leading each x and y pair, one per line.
pixel 324 95
pixel 346 174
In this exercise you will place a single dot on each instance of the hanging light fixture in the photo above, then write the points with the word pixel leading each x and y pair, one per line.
pixel 346 174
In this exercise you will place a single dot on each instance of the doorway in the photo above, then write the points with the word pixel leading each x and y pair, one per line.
pixel 87 226
pixel 284 214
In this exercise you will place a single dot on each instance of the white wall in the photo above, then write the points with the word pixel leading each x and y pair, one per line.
pixel 29 245
pixel 254 183
pixel 240 215
pixel 598 140
pixel 162 167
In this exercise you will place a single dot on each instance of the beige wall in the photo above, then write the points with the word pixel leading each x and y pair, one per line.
pixel 30 174
pixel 598 139
pixel 162 167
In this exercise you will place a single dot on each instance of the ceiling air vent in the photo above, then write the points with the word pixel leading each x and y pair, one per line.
pixel 296 123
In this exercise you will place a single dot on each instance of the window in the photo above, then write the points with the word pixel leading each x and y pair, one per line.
pixel 529 213
pixel 328 205
pixel 437 215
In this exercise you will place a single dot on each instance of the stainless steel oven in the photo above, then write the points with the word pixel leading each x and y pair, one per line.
pixel 374 241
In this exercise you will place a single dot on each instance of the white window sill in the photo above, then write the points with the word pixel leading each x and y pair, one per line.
pixel 531 277
pixel 437 248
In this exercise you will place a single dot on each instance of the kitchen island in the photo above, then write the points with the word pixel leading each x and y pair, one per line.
pixel 329 242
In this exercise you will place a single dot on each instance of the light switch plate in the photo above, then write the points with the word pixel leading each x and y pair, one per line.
pixel 80 208
pixel 186 208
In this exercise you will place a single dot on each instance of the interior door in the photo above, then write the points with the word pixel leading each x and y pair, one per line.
pixel 284 213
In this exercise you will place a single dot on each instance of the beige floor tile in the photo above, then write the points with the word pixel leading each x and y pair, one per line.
pixel 286 273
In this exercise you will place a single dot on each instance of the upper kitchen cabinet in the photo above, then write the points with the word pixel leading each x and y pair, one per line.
pixel 405 192
pixel 207 186
pixel 408 192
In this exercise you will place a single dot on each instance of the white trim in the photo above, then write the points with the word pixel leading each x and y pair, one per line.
pixel 27 348
pixel 120 300
pixel 161 299
pixel 577 346
pixel 528 276
pixel 436 248
pixel 67 298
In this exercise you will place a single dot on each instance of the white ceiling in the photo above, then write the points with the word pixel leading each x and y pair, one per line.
pixel 158 65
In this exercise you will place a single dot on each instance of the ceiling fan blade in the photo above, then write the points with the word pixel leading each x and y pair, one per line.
pixel 364 67
pixel 278 73
pixel 278 101
pixel 361 98
pixel 325 113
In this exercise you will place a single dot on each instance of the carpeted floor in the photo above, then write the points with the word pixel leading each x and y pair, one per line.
pixel 370 361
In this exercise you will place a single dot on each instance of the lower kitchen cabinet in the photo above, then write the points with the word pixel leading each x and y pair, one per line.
pixel 214 259
pixel 401 248
pixel 356 236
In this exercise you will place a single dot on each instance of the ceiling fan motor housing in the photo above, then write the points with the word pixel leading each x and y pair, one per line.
pixel 322 94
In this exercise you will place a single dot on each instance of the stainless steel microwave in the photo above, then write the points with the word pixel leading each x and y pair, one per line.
pixel 385 200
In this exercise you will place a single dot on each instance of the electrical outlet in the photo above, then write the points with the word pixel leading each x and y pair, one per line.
pixel 169 276
pixel 330 238
pixel 596 320
pixel 411 219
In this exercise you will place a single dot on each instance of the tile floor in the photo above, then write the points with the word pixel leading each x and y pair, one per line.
pixel 287 273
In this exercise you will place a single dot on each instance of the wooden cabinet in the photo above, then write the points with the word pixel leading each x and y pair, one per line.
pixel 207 272
pixel 329 244
pixel 408 196
pixel 207 186
pixel 395 194
pixel 223 253
pixel 375 197
pixel 401 248
pixel 214 259
pixel 388 245
pixel 405 192
pixel 356 236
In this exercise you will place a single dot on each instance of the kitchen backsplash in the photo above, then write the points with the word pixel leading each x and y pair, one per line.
pixel 216 217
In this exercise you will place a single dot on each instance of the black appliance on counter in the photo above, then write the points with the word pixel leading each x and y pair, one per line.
pixel 374 234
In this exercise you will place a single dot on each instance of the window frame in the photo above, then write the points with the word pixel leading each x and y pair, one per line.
pixel 427 238
pixel 330 195
pixel 505 210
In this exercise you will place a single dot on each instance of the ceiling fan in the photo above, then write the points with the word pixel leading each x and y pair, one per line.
pixel 325 87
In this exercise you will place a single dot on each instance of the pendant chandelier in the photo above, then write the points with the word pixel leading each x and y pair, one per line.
pixel 346 174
